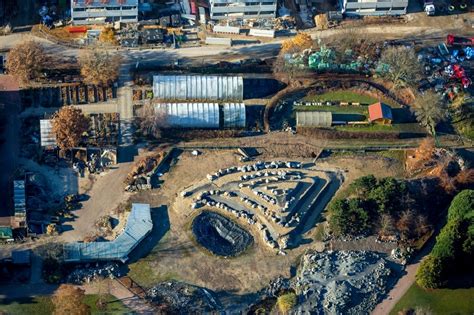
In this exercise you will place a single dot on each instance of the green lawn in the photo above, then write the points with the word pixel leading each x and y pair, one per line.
pixel 342 96
pixel 42 305
pixel 335 109
pixel 440 301
pixel 412 127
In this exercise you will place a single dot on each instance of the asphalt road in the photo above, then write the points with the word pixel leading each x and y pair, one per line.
pixel 430 31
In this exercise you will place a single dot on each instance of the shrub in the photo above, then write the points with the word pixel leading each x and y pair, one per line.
pixel 430 273
pixel 286 302
pixel 349 217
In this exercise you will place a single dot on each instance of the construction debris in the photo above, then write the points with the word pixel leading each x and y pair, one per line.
pixel 87 273
pixel 182 298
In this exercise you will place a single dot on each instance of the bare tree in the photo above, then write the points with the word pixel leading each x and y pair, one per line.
pixel 387 225
pixel 430 111
pixel 150 121
pixel 68 126
pixel 99 67
pixel 400 65
pixel 26 61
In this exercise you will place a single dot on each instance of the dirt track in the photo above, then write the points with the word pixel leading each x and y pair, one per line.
pixel 106 194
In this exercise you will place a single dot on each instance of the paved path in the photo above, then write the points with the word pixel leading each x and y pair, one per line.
pixel 116 289
pixel 398 291
pixel 406 281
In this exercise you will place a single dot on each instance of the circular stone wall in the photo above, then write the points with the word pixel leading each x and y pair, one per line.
pixel 220 235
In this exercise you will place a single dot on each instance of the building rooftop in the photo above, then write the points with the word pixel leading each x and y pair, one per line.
pixel 198 87
pixel 139 224
pixel 380 111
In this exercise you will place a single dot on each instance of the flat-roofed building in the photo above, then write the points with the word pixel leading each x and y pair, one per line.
pixel 85 12
pixel 242 9
pixel 374 7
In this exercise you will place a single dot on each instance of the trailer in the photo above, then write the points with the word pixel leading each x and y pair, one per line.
pixel 452 40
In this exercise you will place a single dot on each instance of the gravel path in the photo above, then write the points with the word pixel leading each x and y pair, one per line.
pixel 106 194
pixel 398 291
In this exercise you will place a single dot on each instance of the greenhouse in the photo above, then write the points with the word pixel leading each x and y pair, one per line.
pixel 139 224
pixel 198 87
pixel 313 119
pixel 234 115
pixel 189 115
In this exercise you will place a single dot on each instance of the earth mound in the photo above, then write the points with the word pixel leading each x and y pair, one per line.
pixel 220 235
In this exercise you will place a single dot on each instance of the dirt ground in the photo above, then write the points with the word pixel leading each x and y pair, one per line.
pixel 176 255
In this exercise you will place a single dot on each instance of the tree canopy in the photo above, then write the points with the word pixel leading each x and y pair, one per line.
pixel 402 66
pixel 68 299
pixel 454 245
pixel 429 111
pixel 26 61
pixel 68 126
pixel 99 67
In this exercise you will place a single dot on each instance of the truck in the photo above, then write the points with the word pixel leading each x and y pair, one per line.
pixel 429 7
pixel 452 40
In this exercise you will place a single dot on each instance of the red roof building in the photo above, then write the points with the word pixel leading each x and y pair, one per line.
pixel 380 113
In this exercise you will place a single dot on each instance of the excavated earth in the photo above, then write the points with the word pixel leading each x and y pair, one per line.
pixel 220 235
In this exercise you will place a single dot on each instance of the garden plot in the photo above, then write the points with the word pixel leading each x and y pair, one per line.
pixel 273 199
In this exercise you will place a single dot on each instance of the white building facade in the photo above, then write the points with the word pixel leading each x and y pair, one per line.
pixel 242 9
pixel 86 12
pixel 374 7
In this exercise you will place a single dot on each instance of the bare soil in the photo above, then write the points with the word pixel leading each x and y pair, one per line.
pixel 177 255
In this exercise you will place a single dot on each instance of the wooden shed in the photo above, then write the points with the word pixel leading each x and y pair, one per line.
pixel 380 113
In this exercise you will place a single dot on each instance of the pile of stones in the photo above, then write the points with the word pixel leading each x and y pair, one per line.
pixel 343 282
pixel 87 273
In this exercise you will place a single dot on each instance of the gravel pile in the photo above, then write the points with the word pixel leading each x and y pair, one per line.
pixel 343 282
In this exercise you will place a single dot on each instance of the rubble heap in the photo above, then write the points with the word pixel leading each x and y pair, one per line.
pixel 87 273
pixel 142 172
pixel 343 282
pixel 181 298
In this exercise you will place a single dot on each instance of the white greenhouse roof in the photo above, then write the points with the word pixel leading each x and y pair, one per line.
pixel 19 197
pixel 234 115
pixel 313 119
pixel 139 224
pixel 198 87
pixel 190 115
pixel 46 130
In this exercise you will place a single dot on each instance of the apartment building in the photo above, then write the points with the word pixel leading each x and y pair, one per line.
pixel 84 12
pixel 374 7
pixel 242 9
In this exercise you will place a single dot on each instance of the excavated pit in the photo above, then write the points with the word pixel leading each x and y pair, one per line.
pixel 220 235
